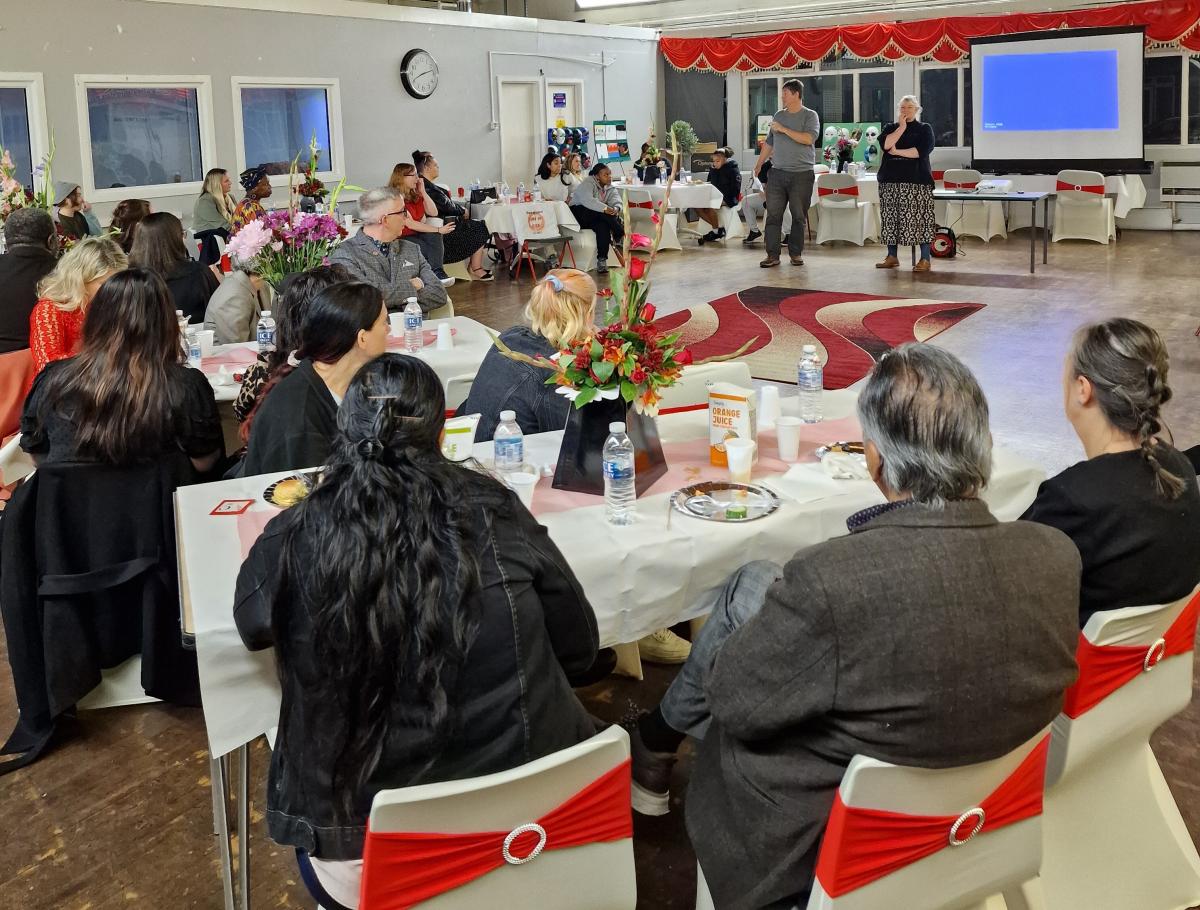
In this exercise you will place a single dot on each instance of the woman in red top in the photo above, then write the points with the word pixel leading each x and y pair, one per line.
pixel 419 207
pixel 56 323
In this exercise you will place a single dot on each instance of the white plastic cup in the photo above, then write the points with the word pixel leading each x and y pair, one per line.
pixel 739 453
pixel 445 338
pixel 523 483
pixel 396 324
pixel 768 406
pixel 787 431
pixel 207 339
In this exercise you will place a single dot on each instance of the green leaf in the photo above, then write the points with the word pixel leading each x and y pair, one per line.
pixel 585 396
pixel 597 350
pixel 628 390
pixel 603 370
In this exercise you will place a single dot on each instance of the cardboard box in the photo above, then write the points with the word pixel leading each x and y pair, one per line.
pixel 732 413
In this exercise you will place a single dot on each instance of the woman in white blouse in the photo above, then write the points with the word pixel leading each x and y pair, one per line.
pixel 552 180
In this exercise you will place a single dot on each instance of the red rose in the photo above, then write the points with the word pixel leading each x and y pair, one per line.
pixel 637 268
pixel 583 360
pixel 638 376
pixel 683 358
pixel 648 312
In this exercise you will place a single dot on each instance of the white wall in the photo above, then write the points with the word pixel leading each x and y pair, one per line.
pixel 360 44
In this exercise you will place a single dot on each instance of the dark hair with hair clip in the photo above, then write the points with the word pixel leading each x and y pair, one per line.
pixel 1127 363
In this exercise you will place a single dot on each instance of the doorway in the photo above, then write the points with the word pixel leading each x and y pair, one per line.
pixel 521 132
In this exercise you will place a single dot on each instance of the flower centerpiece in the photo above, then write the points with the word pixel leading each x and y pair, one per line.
pixel 649 160
pixel 286 241
pixel 311 188
pixel 14 195
pixel 618 372
pixel 841 151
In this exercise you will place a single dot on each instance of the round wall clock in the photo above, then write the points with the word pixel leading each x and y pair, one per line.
pixel 419 73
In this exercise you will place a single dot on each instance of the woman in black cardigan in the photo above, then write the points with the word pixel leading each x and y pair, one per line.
pixel 469 237
pixel 906 186
pixel 158 246
pixel 423 622
pixel 1133 507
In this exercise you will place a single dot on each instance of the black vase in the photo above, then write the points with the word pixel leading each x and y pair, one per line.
pixel 580 461
pixel 308 203
pixel 650 174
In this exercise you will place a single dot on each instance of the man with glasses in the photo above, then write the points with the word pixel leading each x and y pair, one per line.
pixel 378 256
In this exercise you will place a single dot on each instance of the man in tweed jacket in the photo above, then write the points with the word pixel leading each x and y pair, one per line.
pixel 932 636
pixel 378 256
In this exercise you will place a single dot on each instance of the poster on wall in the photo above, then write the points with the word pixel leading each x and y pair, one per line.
pixel 764 127
pixel 612 141
pixel 846 142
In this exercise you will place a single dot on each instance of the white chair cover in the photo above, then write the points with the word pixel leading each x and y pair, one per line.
pixel 984 220
pixel 1084 213
pixel 843 216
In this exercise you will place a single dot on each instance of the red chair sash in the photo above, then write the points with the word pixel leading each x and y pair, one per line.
pixel 401 870
pixel 641 205
pixel 951 185
pixel 939 175
pixel 838 190
pixel 1097 188
pixel 1103 669
pixel 863 845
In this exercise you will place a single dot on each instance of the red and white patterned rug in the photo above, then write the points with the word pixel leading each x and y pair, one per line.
pixel 851 331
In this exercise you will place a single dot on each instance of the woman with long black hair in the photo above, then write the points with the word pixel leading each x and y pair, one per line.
pixel 127 397
pixel 293 424
pixel 423 622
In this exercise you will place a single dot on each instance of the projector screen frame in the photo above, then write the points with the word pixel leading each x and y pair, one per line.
pixel 1106 166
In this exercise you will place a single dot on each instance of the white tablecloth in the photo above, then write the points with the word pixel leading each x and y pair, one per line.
pixel 683 195
pixel 471 343
pixel 499 216
pixel 638 578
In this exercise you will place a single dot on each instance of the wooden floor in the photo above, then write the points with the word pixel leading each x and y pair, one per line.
pixel 120 814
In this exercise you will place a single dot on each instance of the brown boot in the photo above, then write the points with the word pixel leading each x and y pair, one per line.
pixel 921 266
pixel 770 261
pixel 889 262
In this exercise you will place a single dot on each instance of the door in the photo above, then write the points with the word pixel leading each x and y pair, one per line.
pixel 520 126
pixel 564 101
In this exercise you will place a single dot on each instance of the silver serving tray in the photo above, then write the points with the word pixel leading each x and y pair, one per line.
pixel 711 500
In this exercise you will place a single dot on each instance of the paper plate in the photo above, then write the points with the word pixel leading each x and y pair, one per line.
pixel 722 501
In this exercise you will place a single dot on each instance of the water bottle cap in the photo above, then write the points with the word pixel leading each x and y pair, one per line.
pixel 410 299
pixel 266 312
pixel 810 349
pixel 616 427
pixel 506 416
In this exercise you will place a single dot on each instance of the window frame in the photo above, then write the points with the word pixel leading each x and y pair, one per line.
pixel 333 96
pixel 1182 57
pixel 35 112
pixel 203 88
pixel 960 114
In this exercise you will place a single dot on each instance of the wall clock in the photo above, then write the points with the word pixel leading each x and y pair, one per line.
pixel 419 73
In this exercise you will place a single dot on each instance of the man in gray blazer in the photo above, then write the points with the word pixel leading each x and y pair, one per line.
pixel 932 635
pixel 378 256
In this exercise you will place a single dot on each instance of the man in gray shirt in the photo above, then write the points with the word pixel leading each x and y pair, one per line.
pixel 790 146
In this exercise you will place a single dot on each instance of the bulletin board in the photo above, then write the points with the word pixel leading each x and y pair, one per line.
pixel 611 138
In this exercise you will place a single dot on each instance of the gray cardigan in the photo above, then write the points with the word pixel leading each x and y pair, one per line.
pixel 929 638
pixel 393 273
pixel 206 216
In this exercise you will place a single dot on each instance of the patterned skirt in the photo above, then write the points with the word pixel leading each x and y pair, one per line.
pixel 906 213
pixel 467 236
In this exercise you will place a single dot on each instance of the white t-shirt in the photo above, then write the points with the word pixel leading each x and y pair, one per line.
pixel 554 188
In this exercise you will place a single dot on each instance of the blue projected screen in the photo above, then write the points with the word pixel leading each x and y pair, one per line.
pixel 1074 90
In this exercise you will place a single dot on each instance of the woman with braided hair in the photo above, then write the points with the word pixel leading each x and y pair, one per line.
pixel 424 626
pixel 1133 507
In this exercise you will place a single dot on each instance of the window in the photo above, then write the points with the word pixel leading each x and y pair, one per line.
pixel 22 123
pixel 875 98
pixel 1193 69
pixel 938 94
pixel 144 132
pixel 276 119
pixel 763 101
pixel 1162 100
pixel 832 97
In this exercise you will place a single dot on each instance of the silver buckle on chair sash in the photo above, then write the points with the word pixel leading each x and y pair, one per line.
pixel 517 832
pixel 977 814
pixel 1154 655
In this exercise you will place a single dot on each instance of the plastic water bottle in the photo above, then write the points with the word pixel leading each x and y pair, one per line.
pixel 620 490
pixel 810 376
pixel 509 443
pixel 414 323
pixel 521 191
pixel 194 352
pixel 266 332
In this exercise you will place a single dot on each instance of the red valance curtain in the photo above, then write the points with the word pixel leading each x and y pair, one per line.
pixel 1169 23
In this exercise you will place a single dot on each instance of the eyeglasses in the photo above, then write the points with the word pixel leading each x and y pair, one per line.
pixel 390 214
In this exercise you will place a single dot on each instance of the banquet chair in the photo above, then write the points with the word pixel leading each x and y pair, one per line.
pixel 557 832
pixel 1114 838
pixel 538 223
pixel 934 839
pixel 1081 210
pixel 842 215
pixel 984 220
pixel 691 389
pixel 458 388
pixel 641 210
pixel 731 218
pixel 442 312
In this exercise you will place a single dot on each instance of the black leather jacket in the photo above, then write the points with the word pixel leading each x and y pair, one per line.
pixel 510 701
pixel 505 384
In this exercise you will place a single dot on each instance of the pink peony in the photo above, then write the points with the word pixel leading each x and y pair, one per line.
pixel 249 242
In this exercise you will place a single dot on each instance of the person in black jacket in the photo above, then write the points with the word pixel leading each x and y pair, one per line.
pixel 467 240
pixel 1133 507
pixel 906 186
pixel 726 177
pixel 423 623
pixel 31 243
pixel 292 425
pixel 158 246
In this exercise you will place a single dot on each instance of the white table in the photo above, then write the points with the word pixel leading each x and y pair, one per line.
pixel 471 344
pixel 498 216
pixel 683 195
